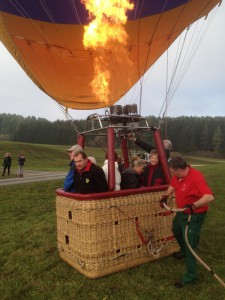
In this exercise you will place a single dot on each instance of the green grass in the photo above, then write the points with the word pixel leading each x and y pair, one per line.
pixel 42 157
pixel 31 268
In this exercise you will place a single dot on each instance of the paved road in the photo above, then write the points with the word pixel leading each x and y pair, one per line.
pixel 33 176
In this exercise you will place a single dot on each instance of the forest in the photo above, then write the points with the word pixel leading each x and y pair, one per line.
pixel 187 134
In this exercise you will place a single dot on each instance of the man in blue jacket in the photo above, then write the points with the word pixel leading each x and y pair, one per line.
pixel 69 180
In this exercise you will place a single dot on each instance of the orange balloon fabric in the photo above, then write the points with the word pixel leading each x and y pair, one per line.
pixel 47 41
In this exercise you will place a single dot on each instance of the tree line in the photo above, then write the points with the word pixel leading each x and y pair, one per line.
pixel 187 134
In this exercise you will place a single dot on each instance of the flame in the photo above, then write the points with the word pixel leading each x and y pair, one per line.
pixel 105 32
pixel 100 83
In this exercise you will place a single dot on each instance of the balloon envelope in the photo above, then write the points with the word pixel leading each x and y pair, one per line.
pixel 46 39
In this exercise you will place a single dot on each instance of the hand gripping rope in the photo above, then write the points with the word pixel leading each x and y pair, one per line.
pixel 189 246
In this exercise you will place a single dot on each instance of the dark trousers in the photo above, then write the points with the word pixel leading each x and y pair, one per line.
pixel 194 228
pixel 4 169
pixel 20 171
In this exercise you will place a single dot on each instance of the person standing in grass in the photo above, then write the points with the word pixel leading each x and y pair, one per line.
pixel 69 180
pixel 7 163
pixel 21 161
pixel 193 194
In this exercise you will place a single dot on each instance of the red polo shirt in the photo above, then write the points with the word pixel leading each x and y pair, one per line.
pixel 190 189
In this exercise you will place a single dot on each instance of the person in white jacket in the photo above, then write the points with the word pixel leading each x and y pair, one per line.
pixel 117 172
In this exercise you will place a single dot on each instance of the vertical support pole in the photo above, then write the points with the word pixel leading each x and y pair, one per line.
pixel 125 152
pixel 162 154
pixel 111 159
pixel 81 140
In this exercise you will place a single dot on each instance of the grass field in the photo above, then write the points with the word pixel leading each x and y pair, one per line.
pixel 43 157
pixel 31 268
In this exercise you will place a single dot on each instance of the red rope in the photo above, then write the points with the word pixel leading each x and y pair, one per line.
pixel 168 238
pixel 144 241
pixel 140 234
pixel 163 214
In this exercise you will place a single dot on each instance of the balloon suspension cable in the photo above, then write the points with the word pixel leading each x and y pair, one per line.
pixel 72 121
pixel 182 62
pixel 189 246
pixel 160 122
pixel 69 117
pixel 166 101
pixel 141 80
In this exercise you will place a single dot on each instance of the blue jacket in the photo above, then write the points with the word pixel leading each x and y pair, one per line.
pixel 69 180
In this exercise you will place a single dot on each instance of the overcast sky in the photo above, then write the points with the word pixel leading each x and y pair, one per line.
pixel 200 93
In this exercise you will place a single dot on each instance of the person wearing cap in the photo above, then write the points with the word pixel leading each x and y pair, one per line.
pixel 69 180
pixel 148 147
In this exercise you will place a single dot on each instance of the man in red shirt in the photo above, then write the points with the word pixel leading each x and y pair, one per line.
pixel 193 194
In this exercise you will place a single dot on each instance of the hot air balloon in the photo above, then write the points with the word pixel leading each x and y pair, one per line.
pixel 46 39
pixel 65 51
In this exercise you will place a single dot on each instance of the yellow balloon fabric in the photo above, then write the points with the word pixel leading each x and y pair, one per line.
pixel 53 55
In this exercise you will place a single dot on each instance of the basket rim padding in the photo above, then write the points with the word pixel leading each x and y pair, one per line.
pixel 110 194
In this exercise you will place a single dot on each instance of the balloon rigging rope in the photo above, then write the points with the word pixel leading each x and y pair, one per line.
pixel 24 13
pixel 51 18
pixel 73 122
pixel 189 59
pixel 21 10
pixel 195 47
pixel 165 103
pixel 75 10
pixel 45 7
pixel 173 78
pixel 137 12
pixel 147 56
pixel 196 40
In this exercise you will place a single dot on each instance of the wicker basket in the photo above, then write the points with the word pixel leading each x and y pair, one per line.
pixel 103 233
